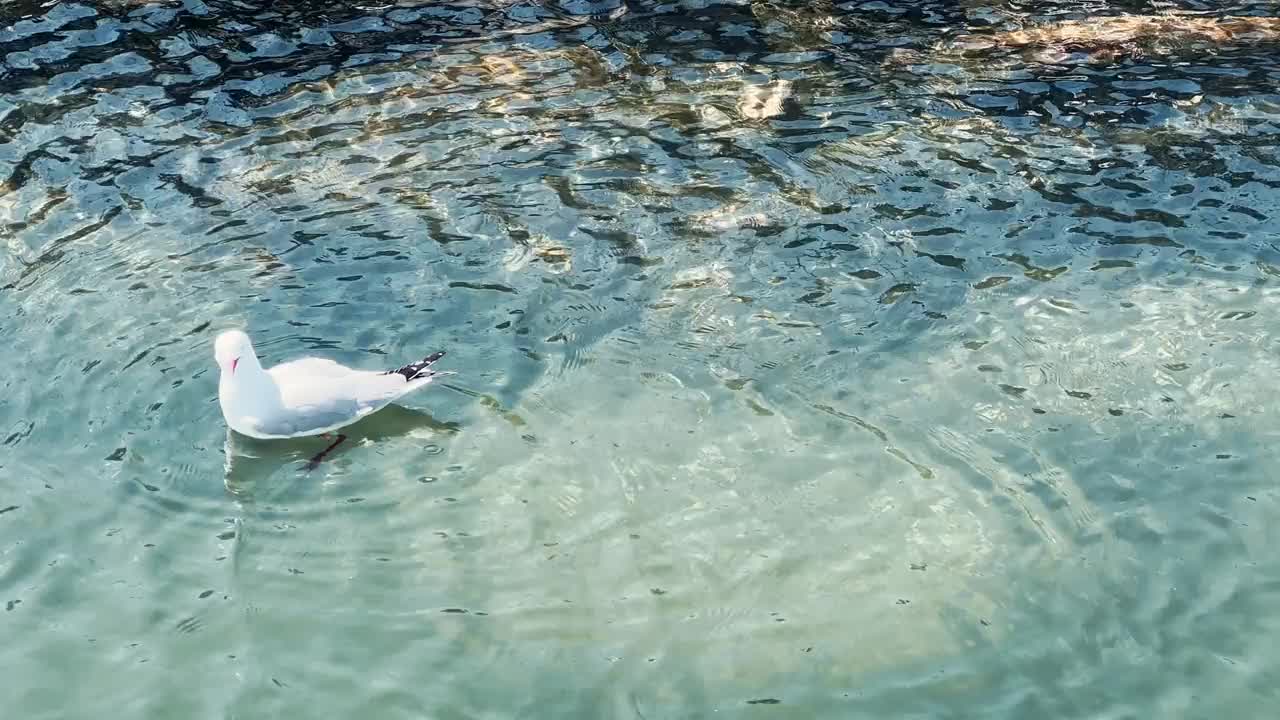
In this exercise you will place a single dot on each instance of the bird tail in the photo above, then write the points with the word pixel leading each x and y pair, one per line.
pixel 420 369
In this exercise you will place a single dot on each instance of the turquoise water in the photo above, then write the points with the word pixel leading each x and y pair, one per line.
pixel 805 368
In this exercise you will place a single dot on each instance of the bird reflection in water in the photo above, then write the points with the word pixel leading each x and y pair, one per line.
pixel 248 462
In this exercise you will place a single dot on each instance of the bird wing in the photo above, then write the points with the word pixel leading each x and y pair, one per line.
pixel 309 367
pixel 352 391
pixel 311 404
pixel 318 394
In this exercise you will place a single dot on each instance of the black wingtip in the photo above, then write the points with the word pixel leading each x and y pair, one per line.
pixel 412 371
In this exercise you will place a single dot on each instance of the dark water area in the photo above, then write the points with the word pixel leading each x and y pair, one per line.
pixel 822 359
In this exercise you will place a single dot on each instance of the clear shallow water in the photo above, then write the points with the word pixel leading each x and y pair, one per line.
pixel 803 367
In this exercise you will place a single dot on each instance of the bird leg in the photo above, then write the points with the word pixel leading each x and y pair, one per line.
pixel 315 461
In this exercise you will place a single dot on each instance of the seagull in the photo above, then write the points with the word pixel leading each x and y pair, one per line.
pixel 308 396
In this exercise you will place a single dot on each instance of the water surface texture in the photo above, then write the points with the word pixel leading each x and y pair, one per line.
pixel 807 365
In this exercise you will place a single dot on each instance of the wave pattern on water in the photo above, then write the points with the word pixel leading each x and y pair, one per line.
pixel 850 357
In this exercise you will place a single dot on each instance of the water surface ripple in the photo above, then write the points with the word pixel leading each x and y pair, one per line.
pixel 813 358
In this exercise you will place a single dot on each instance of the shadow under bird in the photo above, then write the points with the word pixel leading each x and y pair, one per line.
pixel 307 396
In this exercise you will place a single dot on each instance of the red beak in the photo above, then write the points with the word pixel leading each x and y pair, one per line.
pixel 233 365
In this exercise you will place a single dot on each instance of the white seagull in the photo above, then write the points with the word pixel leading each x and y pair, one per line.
pixel 307 396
